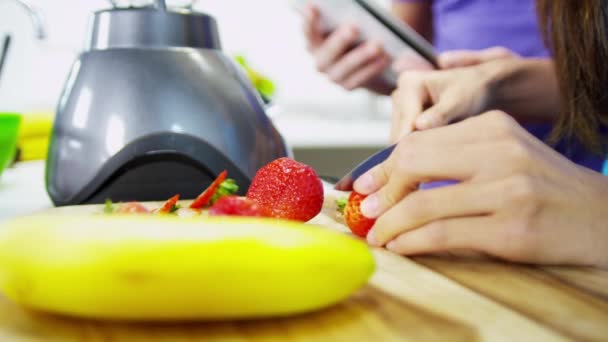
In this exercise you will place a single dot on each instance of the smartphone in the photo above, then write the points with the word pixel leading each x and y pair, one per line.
pixel 376 24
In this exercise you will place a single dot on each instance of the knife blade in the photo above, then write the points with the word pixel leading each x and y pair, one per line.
pixel 346 182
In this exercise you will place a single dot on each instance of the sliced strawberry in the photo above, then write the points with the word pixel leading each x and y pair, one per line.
pixel 169 205
pixel 131 208
pixel 205 197
pixel 358 224
pixel 235 206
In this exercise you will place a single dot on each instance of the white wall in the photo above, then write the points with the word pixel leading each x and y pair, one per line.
pixel 266 31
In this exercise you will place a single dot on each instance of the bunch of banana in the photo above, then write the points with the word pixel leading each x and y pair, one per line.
pixel 169 268
pixel 34 135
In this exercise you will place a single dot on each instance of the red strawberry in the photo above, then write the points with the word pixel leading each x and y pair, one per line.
pixel 288 189
pixel 169 205
pixel 205 197
pixel 358 224
pixel 235 206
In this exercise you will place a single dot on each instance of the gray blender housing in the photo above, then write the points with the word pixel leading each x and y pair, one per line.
pixel 153 108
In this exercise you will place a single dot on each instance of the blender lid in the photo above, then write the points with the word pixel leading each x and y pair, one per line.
pixel 151 27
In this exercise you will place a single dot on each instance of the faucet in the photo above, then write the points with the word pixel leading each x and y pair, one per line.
pixel 37 22
pixel 35 16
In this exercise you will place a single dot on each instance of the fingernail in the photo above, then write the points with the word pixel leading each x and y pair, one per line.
pixel 364 184
pixel 391 246
pixel 370 207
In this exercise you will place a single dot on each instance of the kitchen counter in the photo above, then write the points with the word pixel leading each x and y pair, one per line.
pixel 22 190
pixel 417 299
pixel 421 299
pixel 315 140
pixel 425 298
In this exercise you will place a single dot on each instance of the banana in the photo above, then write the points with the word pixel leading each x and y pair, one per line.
pixel 153 268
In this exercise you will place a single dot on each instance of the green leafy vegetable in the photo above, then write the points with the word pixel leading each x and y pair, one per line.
pixel 226 188
pixel 109 207
pixel 341 204
pixel 174 208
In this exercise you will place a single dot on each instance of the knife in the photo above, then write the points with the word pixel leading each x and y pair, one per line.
pixel 346 183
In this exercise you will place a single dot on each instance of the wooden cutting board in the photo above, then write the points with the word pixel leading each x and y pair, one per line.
pixel 426 298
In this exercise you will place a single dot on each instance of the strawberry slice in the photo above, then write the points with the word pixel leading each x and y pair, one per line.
pixel 168 206
pixel 236 206
pixel 205 197
pixel 130 208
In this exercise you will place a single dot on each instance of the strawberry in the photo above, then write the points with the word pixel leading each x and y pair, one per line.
pixel 288 189
pixel 205 197
pixel 235 206
pixel 358 224
pixel 169 206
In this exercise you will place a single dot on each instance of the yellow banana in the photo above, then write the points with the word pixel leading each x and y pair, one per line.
pixel 168 268
pixel 34 148
pixel 36 124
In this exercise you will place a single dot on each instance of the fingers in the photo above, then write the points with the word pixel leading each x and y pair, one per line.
pixel 312 27
pixel 408 102
pixel 334 47
pixel 367 73
pixel 442 113
pixel 396 129
pixel 423 207
pixel 410 169
pixel 474 233
pixel 375 178
pixel 464 58
pixel 359 65
pixel 450 152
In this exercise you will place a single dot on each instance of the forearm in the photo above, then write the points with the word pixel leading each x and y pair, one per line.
pixel 527 89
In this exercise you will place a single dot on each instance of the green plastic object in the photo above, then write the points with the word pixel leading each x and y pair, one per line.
pixel 9 129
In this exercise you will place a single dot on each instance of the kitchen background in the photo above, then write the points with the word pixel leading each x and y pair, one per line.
pixel 327 126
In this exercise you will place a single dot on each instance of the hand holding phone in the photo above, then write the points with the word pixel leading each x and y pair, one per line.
pixel 354 43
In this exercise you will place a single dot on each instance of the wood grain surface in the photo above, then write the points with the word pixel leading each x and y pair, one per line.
pixel 419 299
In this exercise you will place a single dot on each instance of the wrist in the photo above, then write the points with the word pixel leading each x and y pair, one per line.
pixel 498 79
pixel 515 86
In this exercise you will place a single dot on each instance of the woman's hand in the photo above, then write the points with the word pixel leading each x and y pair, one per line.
pixel 517 198
pixel 429 99
pixel 471 83
pixel 345 62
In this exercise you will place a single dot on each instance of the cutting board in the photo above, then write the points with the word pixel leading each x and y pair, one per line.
pixel 425 298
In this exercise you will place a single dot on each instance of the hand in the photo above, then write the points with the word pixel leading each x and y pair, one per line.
pixel 341 59
pixel 517 198
pixel 450 95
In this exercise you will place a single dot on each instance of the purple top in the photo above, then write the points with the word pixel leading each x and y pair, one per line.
pixel 480 24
